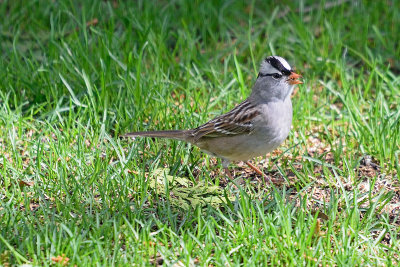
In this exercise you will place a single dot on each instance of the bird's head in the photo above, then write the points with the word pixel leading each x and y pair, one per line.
pixel 276 78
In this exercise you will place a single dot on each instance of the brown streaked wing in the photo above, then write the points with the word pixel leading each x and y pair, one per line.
pixel 235 122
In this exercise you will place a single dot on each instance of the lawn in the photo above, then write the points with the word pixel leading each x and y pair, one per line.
pixel 75 75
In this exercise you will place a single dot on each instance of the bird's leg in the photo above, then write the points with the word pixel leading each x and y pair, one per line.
pixel 225 164
pixel 228 172
pixel 266 178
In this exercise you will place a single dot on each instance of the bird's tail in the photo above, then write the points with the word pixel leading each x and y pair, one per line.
pixel 171 134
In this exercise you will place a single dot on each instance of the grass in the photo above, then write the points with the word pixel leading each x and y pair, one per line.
pixel 76 74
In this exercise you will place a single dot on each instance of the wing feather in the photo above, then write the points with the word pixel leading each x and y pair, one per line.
pixel 237 121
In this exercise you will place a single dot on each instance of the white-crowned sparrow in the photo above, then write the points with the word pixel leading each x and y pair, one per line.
pixel 253 128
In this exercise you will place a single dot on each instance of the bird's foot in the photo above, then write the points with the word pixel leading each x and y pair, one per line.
pixel 265 177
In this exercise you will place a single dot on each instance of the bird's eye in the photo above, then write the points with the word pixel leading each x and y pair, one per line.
pixel 277 75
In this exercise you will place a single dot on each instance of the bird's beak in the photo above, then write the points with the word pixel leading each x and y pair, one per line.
pixel 293 78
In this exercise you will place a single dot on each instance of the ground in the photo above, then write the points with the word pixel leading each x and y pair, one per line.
pixel 75 75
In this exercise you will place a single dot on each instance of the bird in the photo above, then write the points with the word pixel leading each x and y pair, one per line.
pixel 253 128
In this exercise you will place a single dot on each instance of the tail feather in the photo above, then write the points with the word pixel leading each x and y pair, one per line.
pixel 172 134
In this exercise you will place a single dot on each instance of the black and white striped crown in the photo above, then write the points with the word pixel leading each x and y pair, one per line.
pixel 272 64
